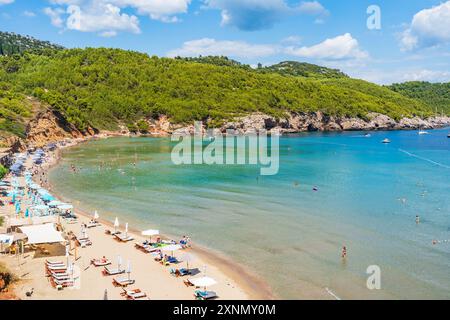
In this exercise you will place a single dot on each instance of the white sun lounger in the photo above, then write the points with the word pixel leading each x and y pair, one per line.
pixel 135 295
pixel 112 271
pixel 53 263
pixel 123 282
pixel 57 267
pixel 123 237
pixel 60 276
pixel 93 224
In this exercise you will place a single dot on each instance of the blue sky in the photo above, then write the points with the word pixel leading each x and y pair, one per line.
pixel 413 42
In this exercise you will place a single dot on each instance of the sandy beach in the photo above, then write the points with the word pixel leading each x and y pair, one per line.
pixel 233 281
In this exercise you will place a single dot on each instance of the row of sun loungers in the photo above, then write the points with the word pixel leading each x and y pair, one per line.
pixel 123 282
pixel 83 242
pixel 58 275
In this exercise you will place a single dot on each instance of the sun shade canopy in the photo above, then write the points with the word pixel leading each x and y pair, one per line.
pixel 42 233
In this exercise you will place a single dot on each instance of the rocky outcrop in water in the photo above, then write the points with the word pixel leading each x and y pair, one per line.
pixel 50 126
pixel 317 121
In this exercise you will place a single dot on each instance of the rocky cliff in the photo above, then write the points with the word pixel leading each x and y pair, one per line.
pixel 50 126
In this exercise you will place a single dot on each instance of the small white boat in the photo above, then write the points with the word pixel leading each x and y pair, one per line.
pixel 448 136
pixel 422 132
pixel 386 141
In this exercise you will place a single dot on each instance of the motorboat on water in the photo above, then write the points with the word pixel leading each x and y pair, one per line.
pixel 422 132
pixel 386 141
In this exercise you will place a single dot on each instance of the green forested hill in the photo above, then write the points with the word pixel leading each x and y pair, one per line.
pixel 11 43
pixel 302 69
pixel 100 87
pixel 436 95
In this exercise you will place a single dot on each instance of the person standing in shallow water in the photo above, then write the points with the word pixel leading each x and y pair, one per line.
pixel 417 219
pixel 344 252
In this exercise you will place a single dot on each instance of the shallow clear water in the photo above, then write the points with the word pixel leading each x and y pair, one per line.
pixel 279 227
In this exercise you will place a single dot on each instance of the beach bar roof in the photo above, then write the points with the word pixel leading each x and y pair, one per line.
pixel 42 233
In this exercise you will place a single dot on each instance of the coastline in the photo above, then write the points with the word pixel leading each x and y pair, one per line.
pixel 253 286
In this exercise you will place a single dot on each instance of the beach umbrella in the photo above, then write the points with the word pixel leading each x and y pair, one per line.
pixel 203 282
pixel 187 257
pixel 116 224
pixel 67 253
pixel 150 233
pixel 119 262
pixel 171 247
pixel 129 269
pixel 96 216
pixel 70 269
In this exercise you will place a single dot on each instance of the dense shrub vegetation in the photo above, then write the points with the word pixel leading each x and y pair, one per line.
pixel 436 95
pixel 14 109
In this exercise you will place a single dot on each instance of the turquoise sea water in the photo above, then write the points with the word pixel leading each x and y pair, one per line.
pixel 368 196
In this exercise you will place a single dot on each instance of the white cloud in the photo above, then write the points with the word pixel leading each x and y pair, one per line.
pixel 163 10
pixel 29 14
pixel 292 40
pixel 339 48
pixel 207 46
pixel 108 34
pixel 313 8
pixel 101 18
pixel 67 2
pixel 55 16
pixel 382 76
pixel 426 75
pixel 2 2
pixel 343 49
pixel 108 17
pixel 429 28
